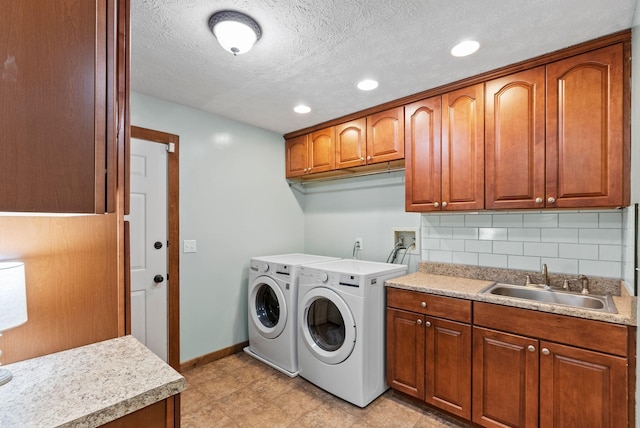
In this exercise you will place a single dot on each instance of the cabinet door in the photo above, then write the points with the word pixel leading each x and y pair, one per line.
pixel 385 136
pixel 351 143
pixel 297 156
pixel 448 366
pixel 463 149
pixel 585 165
pixel 57 78
pixel 505 379
pixel 580 388
pixel 405 352
pixel 322 151
pixel 422 153
pixel 514 141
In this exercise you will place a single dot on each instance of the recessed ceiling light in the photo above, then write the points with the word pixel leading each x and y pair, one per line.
pixel 302 109
pixel 465 48
pixel 367 85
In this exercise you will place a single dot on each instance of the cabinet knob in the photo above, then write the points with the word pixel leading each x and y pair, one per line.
pixel 368 158
pixel 362 159
pixel 423 304
pixel 435 204
pixel 538 200
pixel 444 204
pixel 531 348
pixel 428 324
pixel 304 170
pixel 419 322
pixel 545 351
pixel 551 200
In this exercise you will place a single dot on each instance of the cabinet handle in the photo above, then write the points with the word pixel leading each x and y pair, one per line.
pixel 545 351
pixel 436 205
pixel 444 204
pixel 423 304
pixel 551 200
pixel 428 324
pixel 531 348
pixel 419 322
pixel 538 200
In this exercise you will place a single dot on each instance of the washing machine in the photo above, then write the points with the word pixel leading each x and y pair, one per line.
pixel 341 316
pixel 272 298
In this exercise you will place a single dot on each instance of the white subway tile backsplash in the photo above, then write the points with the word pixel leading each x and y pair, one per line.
pixel 560 235
pixel 508 247
pixel 600 236
pixel 478 220
pixel 578 219
pixel 493 233
pixel 570 242
pixel 493 260
pixel 579 251
pixel 524 235
pixel 524 262
pixel 540 249
pixel 471 246
pixel 541 220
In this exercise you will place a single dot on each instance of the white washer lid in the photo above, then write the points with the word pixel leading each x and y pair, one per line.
pixel 359 267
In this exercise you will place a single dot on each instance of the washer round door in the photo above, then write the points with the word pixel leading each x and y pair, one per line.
pixel 267 307
pixel 328 326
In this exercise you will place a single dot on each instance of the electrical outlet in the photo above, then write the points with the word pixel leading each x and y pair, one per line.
pixel 190 246
pixel 359 243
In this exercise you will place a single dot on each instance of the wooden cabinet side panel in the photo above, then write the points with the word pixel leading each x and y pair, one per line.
pixel 50 91
pixel 157 415
pixel 463 149
pixel 296 156
pixel 385 136
pixel 422 153
pixel 505 379
pixel 584 122
pixel 405 352
pixel 351 143
pixel 448 366
pixel 322 150
pixel 582 388
pixel 514 141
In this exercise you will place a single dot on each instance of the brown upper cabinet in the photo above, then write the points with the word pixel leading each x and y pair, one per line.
pixel 445 152
pixel 60 105
pixel 562 150
pixel 310 153
pixel 351 143
pixel 385 135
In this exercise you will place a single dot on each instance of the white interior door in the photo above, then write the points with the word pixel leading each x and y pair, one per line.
pixel 148 248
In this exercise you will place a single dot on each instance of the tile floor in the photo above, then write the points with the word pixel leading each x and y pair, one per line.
pixel 239 391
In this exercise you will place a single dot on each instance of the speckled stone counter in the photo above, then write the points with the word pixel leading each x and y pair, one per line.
pixel 466 288
pixel 87 386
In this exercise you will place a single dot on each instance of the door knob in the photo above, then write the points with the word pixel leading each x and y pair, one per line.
pixel 158 279
pixel 157 245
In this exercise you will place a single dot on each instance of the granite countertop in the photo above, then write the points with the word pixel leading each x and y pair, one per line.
pixel 466 288
pixel 87 386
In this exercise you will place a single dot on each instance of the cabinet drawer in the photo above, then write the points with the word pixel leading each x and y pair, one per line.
pixel 439 306
pixel 584 333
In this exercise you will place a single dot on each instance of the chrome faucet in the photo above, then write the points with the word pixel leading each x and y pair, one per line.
pixel 545 276
pixel 585 284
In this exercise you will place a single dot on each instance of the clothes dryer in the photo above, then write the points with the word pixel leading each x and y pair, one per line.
pixel 272 302
pixel 341 316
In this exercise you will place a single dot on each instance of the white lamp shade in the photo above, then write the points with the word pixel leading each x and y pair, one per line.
pixel 13 295
pixel 234 36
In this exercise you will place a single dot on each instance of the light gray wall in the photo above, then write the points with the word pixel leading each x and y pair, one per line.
pixel 235 201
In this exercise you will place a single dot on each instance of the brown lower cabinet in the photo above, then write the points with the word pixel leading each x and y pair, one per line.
pixel 510 367
pixel 163 414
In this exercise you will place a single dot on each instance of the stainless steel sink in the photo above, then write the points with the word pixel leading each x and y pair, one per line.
pixel 542 295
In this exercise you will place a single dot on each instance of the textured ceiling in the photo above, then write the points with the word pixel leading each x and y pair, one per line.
pixel 315 51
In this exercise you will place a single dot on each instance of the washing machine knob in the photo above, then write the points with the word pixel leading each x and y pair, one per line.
pixel 263 267
pixel 324 277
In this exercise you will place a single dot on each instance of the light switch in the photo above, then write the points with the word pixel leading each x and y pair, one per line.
pixel 190 246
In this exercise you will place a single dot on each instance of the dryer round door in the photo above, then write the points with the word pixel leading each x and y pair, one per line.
pixel 328 326
pixel 267 307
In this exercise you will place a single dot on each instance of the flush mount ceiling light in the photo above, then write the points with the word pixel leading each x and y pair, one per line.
pixel 367 85
pixel 302 109
pixel 235 31
pixel 465 48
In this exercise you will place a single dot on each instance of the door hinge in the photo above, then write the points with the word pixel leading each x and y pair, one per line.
pixel 171 147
